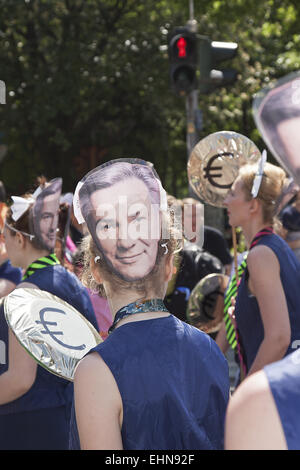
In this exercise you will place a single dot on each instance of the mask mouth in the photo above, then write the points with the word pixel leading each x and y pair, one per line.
pixel 129 258
pixel 51 236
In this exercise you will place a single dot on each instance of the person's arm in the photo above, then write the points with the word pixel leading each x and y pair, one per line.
pixel 6 287
pixel 265 284
pixel 21 373
pixel 20 376
pixel 27 285
pixel 221 339
pixel 98 405
pixel 252 420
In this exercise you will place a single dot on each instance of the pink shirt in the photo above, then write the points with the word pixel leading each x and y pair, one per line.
pixel 102 313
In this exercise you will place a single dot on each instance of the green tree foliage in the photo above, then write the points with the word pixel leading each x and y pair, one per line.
pixel 88 80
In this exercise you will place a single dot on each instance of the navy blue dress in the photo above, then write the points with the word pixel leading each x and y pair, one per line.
pixel 247 313
pixel 174 384
pixel 284 381
pixel 40 418
pixel 10 273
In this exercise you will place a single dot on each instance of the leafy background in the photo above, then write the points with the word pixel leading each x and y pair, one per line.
pixel 88 81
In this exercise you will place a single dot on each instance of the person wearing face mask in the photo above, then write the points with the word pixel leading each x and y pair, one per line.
pixel 35 404
pixel 193 263
pixel 9 275
pixel 155 382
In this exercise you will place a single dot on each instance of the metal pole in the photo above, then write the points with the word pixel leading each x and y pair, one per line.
pixel 192 97
pixel 192 23
pixel 191 10
pixel 192 136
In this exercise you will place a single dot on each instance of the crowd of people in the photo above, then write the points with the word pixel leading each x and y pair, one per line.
pixel 129 257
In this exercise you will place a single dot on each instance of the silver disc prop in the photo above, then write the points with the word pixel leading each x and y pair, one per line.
pixel 214 164
pixel 206 303
pixel 54 333
pixel 276 112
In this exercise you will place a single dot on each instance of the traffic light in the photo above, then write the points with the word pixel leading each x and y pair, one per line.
pixel 210 54
pixel 183 60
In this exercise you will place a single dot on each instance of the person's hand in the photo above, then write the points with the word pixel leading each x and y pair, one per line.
pixel 231 311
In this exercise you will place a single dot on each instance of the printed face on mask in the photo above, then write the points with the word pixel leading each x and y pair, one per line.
pixel 127 228
pixel 48 220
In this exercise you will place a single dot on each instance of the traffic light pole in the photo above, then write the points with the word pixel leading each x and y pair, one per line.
pixel 191 104
pixel 192 130
pixel 192 136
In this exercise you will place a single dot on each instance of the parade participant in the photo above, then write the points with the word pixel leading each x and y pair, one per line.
pixel 267 310
pixel 100 304
pixel 193 263
pixel 211 240
pixel 9 276
pixel 34 404
pixel 264 412
pixel 155 382
pixel 290 219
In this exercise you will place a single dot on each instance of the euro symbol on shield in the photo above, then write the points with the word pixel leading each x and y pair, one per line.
pixel 53 334
pixel 210 171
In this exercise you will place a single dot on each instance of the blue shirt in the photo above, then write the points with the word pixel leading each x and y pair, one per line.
pixel 174 384
pixel 284 381
pixel 10 273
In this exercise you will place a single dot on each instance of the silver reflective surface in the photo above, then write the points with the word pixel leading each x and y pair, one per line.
pixel 206 303
pixel 214 164
pixel 54 333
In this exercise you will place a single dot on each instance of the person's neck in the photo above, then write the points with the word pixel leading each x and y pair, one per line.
pixel 31 255
pixel 118 300
pixel 252 228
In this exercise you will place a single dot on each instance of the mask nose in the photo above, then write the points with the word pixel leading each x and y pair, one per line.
pixel 124 244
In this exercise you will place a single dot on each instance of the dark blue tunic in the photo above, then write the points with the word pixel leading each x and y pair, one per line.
pixel 50 395
pixel 10 273
pixel 247 313
pixel 284 381
pixel 174 384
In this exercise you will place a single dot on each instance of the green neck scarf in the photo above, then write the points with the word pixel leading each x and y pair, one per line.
pixel 232 292
pixel 40 263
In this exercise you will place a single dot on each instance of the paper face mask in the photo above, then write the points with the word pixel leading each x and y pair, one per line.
pixel 121 202
pixel 277 115
pixel 44 214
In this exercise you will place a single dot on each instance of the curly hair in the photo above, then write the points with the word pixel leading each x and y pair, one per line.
pixel 151 282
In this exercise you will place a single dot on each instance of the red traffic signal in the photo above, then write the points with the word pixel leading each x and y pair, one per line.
pixel 183 60
pixel 181 45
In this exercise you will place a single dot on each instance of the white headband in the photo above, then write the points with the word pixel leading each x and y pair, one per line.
pixel 31 237
pixel 259 174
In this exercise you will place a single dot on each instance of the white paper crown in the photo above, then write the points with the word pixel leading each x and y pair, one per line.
pixel 20 204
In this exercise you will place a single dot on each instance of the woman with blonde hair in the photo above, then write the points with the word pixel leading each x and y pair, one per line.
pixel 155 382
pixel 267 309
